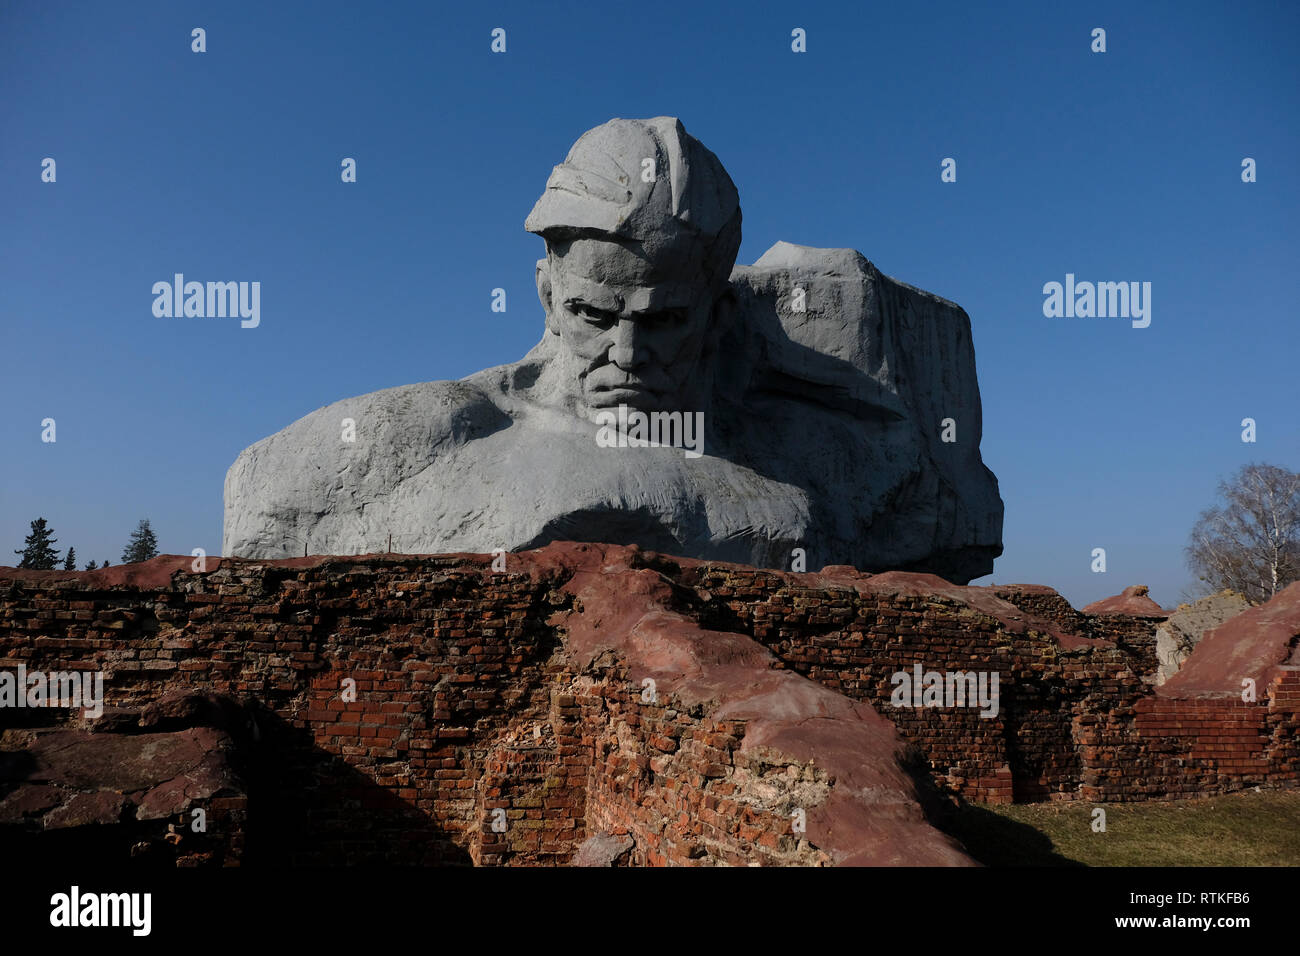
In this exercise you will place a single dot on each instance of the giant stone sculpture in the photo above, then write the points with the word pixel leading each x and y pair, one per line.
pixel 804 402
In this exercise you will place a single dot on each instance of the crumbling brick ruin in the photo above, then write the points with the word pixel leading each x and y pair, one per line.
pixel 598 704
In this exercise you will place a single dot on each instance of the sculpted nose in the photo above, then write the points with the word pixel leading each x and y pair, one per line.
pixel 623 357
pixel 625 352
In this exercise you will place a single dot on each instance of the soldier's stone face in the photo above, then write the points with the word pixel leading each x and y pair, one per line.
pixel 635 328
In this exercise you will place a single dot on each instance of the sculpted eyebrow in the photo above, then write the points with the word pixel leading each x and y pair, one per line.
pixel 579 300
pixel 666 308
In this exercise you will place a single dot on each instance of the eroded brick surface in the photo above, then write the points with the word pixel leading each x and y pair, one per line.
pixel 504 719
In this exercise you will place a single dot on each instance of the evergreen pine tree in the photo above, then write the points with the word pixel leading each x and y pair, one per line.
pixel 104 565
pixel 71 563
pixel 143 544
pixel 91 566
pixel 38 548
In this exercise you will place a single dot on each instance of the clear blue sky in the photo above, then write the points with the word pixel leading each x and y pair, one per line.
pixel 225 165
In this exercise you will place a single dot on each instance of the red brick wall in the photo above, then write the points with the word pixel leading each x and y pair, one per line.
pixel 467 703
pixel 1073 723
pixel 1169 747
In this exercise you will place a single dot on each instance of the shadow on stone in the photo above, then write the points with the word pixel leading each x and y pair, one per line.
pixel 308 807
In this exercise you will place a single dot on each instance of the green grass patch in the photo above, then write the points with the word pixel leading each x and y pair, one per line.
pixel 1242 829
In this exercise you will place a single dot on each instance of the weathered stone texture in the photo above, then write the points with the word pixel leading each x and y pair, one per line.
pixel 831 408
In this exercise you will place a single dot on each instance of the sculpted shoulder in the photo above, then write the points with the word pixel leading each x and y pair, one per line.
pixel 401 426
pixel 355 448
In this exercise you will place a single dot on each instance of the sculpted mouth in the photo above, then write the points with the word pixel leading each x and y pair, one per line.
pixel 635 394
pixel 625 387
pixel 630 387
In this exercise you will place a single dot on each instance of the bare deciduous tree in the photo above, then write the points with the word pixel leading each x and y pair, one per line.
pixel 1250 541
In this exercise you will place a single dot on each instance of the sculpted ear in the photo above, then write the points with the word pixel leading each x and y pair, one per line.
pixel 544 293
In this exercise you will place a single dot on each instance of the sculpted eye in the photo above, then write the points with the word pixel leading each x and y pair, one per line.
pixel 588 312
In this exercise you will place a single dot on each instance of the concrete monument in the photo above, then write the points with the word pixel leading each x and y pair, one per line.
pixel 803 411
